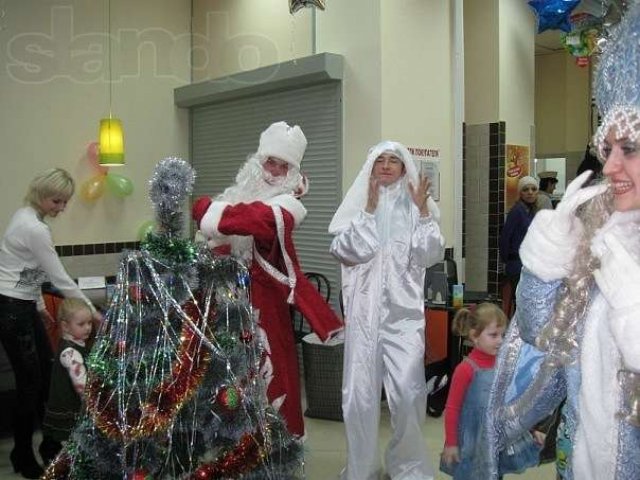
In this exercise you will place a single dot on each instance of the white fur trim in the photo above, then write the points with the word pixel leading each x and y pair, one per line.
pixel 289 279
pixel 596 438
pixel 291 205
pixel 277 403
pixel 211 219
pixel 332 334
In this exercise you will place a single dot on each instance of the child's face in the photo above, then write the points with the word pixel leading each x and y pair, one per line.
pixel 79 324
pixel 490 339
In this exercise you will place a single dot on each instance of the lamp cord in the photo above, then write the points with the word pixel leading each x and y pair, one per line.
pixel 109 53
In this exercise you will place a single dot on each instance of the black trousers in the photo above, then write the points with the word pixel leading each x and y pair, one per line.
pixel 24 338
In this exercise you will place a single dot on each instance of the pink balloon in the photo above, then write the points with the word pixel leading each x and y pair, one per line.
pixel 93 149
pixel 93 153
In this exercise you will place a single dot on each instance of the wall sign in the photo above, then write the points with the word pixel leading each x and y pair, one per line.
pixel 428 163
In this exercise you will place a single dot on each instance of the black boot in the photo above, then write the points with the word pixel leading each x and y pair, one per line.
pixel 22 457
pixel 49 449
pixel 24 463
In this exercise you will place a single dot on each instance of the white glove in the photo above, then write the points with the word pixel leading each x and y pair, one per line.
pixel 550 245
pixel 619 281
pixel 618 277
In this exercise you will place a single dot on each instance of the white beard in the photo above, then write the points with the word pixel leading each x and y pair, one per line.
pixel 253 184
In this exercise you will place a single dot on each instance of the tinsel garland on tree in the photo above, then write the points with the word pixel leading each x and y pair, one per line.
pixel 173 389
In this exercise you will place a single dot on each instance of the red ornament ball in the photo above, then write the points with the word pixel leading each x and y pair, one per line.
pixel 139 475
pixel 203 473
pixel 228 398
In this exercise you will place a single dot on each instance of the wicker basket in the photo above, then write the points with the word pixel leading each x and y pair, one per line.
pixel 323 378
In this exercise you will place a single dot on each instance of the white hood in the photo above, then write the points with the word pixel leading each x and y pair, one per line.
pixel 356 198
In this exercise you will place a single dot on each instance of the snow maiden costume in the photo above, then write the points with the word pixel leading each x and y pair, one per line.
pixel 384 256
pixel 576 332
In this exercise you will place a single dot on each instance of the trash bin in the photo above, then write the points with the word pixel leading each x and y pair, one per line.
pixel 323 377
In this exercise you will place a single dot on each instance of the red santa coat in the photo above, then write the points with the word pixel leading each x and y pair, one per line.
pixel 276 282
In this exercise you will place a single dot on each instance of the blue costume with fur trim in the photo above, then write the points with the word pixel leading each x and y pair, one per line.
pixel 527 389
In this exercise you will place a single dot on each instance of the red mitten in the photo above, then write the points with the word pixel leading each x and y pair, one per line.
pixel 199 208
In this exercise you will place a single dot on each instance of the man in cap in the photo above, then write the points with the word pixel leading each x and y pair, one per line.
pixel 548 182
pixel 254 219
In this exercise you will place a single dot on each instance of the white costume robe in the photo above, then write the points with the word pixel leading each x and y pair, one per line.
pixel 384 256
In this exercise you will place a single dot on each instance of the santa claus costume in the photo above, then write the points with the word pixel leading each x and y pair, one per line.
pixel 254 220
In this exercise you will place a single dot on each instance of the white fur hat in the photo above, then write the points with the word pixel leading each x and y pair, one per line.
pixel 284 142
pixel 524 181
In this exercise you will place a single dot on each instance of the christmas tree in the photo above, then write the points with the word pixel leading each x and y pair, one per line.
pixel 174 389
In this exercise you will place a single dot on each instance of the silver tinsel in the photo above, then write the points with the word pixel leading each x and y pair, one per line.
pixel 174 379
pixel 170 185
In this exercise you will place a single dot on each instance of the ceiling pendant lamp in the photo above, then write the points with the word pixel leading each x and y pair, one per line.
pixel 111 134
pixel 111 142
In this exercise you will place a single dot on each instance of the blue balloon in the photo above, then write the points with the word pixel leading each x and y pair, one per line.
pixel 553 14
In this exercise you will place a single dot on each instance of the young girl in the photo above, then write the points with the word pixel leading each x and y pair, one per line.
pixel 68 376
pixel 468 397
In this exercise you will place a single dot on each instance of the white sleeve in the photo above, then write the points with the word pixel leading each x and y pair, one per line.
pixel 72 360
pixel 427 242
pixel 45 254
pixel 40 305
pixel 358 243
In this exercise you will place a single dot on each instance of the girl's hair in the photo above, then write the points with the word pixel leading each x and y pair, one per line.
pixel 69 306
pixel 478 319
pixel 47 184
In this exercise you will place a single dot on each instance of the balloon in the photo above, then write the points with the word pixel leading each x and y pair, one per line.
pixel 93 188
pixel 146 228
pixel 93 153
pixel 93 149
pixel 118 185
pixel 553 14
pixel 581 42
pixel 295 5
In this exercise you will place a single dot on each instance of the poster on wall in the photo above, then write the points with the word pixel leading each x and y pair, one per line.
pixel 517 166
pixel 428 163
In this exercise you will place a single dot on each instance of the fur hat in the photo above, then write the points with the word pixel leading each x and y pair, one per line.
pixel 524 181
pixel 284 142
